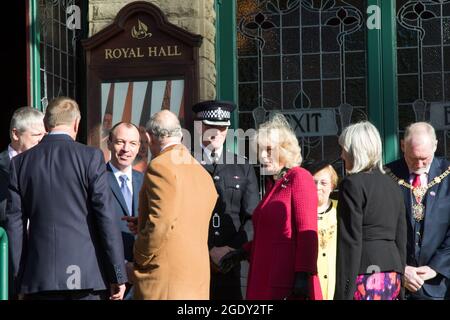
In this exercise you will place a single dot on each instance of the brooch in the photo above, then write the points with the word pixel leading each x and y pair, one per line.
pixel 285 182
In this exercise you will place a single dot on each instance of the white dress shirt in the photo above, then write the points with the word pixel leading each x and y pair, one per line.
pixel 11 152
pixel 128 172
pixel 207 151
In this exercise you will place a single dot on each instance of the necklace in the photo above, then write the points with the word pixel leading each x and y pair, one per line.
pixel 419 193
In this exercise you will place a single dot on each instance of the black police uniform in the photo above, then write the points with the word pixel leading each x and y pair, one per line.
pixel 237 187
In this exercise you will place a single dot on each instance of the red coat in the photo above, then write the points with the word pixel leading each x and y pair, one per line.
pixel 285 238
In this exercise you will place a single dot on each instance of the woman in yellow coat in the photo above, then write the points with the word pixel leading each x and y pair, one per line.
pixel 326 180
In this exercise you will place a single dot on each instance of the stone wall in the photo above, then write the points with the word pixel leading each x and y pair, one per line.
pixel 196 16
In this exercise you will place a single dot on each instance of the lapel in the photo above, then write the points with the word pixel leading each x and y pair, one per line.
pixel 435 171
pixel 271 187
pixel 115 188
pixel 202 159
pixel 137 182
pixel 221 163
pixel 429 200
pixel 5 161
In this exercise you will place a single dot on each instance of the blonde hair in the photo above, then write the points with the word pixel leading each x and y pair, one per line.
pixel 61 111
pixel 362 142
pixel 333 175
pixel 286 142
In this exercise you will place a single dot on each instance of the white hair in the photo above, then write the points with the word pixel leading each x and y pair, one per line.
pixel 362 142
pixel 164 124
pixel 25 118
pixel 420 128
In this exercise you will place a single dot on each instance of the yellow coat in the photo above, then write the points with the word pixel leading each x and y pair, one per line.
pixel 326 261
pixel 171 250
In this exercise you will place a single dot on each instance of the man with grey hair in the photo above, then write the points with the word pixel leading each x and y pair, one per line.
pixel 171 260
pixel 26 130
pixel 73 249
pixel 425 182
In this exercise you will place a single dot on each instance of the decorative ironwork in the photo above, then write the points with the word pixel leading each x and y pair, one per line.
pixel 416 16
pixel 58 50
pixel 267 31
pixel 257 23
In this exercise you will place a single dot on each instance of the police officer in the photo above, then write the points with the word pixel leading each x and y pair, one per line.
pixel 237 186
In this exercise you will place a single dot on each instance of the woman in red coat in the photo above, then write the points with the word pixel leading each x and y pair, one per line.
pixel 283 253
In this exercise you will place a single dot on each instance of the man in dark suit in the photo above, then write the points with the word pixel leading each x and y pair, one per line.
pixel 425 183
pixel 26 130
pixel 125 183
pixel 73 248
pixel 237 186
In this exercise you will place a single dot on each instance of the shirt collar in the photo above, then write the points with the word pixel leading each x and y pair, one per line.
pixel 168 145
pixel 58 132
pixel 12 152
pixel 117 173
pixel 207 151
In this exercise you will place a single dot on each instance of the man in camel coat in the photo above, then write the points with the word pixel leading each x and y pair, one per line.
pixel 175 204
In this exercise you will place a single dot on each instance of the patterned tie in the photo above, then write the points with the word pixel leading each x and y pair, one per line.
pixel 126 192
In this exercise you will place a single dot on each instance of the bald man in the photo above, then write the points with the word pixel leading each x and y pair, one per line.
pixel 125 183
pixel 425 182
pixel 171 259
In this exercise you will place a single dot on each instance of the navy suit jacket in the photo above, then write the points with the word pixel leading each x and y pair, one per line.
pixel 4 181
pixel 121 210
pixel 434 250
pixel 73 241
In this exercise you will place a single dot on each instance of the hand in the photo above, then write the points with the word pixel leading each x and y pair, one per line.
pixel 426 273
pixel 130 271
pixel 117 291
pixel 412 281
pixel 301 285
pixel 216 253
pixel 232 259
pixel 132 224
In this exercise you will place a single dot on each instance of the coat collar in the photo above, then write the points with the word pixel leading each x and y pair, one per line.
pixel 56 137
pixel 167 149
pixel 431 195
